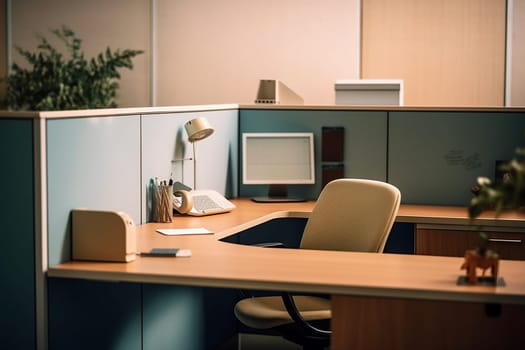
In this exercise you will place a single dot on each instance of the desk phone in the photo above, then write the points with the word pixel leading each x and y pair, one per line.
pixel 201 202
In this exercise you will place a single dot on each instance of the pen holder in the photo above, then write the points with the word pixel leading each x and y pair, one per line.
pixel 163 203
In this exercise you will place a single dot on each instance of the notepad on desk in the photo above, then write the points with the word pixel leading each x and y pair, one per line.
pixel 184 231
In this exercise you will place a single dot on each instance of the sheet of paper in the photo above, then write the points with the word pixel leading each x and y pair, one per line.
pixel 184 231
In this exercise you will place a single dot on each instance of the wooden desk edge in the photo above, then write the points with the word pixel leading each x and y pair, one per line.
pixel 62 271
pixel 261 220
pixel 100 271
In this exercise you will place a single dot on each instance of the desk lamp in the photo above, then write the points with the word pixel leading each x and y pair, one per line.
pixel 197 129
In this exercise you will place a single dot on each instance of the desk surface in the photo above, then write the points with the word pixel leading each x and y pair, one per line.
pixel 219 264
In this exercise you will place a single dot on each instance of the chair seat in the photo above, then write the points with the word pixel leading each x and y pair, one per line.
pixel 270 312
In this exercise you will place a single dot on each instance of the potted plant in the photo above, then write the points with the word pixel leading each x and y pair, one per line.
pixel 505 193
pixel 56 82
pixel 500 194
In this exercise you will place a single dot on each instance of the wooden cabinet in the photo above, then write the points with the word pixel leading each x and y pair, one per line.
pixel 423 324
pixel 454 241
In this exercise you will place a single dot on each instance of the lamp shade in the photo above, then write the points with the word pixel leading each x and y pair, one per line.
pixel 198 129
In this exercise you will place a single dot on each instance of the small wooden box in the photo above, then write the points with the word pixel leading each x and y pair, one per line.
pixel 103 236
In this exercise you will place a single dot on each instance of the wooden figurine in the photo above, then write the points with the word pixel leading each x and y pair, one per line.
pixel 474 260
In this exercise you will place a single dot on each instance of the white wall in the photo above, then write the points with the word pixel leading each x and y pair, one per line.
pixel 210 51
pixel 216 51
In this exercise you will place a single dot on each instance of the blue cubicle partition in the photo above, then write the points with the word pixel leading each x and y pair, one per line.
pixel 182 317
pixel 94 315
pixel 86 315
pixel 434 157
pixel 92 163
pixel 365 153
pixel 17 213
pixel 107 163
pixel 166 153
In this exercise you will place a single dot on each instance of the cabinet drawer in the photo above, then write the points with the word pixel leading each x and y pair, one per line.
pixel 509 245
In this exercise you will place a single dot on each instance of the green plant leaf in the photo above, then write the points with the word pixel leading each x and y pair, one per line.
pixel 56 81
pixel 508 193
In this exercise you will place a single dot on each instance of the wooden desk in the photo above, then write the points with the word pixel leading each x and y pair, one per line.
pixel 378 280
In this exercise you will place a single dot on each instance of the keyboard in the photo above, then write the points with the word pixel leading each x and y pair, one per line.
pixel 203 202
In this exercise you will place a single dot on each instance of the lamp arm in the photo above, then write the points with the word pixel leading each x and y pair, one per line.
pixel 194 167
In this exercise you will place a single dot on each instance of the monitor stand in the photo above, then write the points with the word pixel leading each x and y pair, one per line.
pixel 277 193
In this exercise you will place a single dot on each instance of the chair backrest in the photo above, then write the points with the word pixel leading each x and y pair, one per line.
pixel 353 215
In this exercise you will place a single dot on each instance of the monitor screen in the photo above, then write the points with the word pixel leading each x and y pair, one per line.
pixel 278 159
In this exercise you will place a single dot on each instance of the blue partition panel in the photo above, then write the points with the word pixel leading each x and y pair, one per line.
pixel 364 150
pixel 17 260
pixel 94 315
pixel 92 163
pixel 166 152
pixel 435 157
pixel 106 315
pixel 189 318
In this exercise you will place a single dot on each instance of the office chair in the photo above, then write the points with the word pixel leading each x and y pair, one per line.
pixel 349 215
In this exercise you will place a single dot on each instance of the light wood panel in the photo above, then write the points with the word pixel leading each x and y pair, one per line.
pixel 448 52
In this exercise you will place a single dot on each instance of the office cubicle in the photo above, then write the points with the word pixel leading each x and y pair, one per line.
pixel 105 162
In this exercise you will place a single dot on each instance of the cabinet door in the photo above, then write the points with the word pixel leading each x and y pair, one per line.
pixel 424 324
pixel 509 245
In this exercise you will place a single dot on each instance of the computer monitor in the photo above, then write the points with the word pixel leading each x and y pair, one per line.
pixel 278 160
